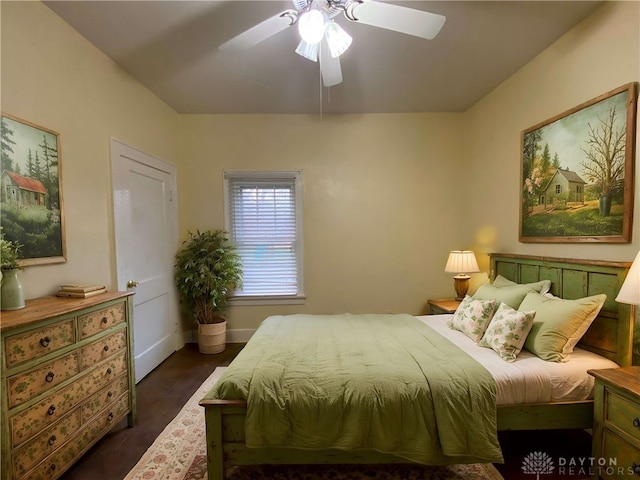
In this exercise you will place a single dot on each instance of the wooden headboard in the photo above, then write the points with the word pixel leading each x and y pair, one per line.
pixel 611 334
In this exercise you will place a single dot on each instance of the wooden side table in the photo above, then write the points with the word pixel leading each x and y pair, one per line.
pixel 616 423
pixel 443 305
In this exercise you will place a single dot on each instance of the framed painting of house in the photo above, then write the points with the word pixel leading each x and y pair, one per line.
pixel 31 191
pixel 577 173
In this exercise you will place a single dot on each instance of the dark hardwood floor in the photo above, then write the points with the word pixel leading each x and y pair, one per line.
pixel 161 395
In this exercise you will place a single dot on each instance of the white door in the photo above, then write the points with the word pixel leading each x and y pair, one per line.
pixel 145 222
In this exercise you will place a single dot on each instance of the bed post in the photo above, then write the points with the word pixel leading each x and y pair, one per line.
pixel 215 459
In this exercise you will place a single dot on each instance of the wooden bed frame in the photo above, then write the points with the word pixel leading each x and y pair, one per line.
pixel 610 335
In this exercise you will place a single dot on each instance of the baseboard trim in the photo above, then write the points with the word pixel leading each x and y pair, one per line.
pixel 239 335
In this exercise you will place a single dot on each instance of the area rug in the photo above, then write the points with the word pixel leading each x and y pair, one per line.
pixel 179 453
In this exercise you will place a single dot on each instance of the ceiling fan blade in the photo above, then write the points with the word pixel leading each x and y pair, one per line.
pixel 261 31
pixel 329 66
pixel 400 19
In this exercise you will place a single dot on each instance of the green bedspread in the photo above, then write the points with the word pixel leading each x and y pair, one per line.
pixel 382 382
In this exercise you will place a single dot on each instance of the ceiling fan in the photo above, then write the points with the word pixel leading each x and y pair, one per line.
pixel 324 40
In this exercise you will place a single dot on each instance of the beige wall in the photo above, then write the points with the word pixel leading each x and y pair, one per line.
pixel 380 200
pixel 385 196
pixel 53 77
pixel 600 54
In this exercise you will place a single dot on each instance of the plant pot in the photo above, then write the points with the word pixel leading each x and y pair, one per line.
pixel 212 337
pixel 11 293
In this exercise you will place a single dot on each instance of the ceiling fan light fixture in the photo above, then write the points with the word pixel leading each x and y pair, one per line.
pixel 308 50
pixel 311 26
pixel 337 39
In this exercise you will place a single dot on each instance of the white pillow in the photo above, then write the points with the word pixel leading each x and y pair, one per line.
pixel 507 332
pixel 472 317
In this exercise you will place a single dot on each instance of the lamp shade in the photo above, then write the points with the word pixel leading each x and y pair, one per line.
pixel 630 290
pixel 311 26
pixel 461 261
pixel 337 38
pixel 308 50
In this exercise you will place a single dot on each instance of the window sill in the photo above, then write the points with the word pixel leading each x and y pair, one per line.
pixel 267 300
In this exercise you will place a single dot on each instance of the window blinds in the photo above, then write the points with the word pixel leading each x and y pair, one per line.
pixel 262 224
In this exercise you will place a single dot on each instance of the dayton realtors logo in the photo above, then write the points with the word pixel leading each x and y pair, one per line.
pixel 537 463
pixel 540 463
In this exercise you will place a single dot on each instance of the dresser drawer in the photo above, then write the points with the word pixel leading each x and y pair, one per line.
pixel 36 343
pixel 104 374
pixel 45 443
pixel 62 458
pixel 24 386
pixel 623 413
pixel 625 454
pixel 26 424
pixel 98 351
pixel 104 397
pixel 101 320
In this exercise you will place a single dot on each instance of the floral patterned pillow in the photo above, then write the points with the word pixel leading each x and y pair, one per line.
pixel 508 331
pixel 472 317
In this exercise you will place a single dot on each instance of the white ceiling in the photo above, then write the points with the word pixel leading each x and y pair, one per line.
pixel 171 47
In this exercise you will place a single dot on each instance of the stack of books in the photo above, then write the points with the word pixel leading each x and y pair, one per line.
pixel 80 291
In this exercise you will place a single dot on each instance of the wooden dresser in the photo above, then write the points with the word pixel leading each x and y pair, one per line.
pixel 616 426
pixel 67 379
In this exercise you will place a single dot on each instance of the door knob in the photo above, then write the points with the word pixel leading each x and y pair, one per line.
pixel 132 284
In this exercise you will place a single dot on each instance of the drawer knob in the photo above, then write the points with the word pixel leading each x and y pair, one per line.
pixel 45 341
pixel 110 417
pixel 52 440
pixel 52 467
pixel 106 349
pixel 105 320
pixel 636 422
pixel 109 371
pixel 636 469
pixel 110 394
pixel 50 376
pixel 51 410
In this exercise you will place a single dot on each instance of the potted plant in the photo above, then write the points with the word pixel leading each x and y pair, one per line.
pixel 11 293
pixel 207 270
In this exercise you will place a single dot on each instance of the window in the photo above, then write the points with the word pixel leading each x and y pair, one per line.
pixel 558 189
pixel 264 220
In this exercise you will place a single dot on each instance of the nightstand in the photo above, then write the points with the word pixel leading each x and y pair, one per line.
pixel 444 305
pixel 616 423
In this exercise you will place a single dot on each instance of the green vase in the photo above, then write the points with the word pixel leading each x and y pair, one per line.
pixel 12 295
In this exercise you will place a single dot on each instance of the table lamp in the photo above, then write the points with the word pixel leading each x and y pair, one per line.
pixel 461 262
pixel 630 290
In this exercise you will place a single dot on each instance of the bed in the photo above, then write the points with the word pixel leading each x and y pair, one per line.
pixel 609 336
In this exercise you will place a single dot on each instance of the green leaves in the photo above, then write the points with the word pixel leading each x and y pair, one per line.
pixel 207 270
pixel 9 252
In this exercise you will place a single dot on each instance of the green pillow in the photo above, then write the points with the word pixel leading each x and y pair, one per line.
pixel 543 286
pixel 511 295
pixel 559 323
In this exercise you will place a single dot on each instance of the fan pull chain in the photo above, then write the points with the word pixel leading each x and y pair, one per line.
pixel 320 88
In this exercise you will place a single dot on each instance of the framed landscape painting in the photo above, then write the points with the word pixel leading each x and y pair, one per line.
pixel 577 173
pixel 31 191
